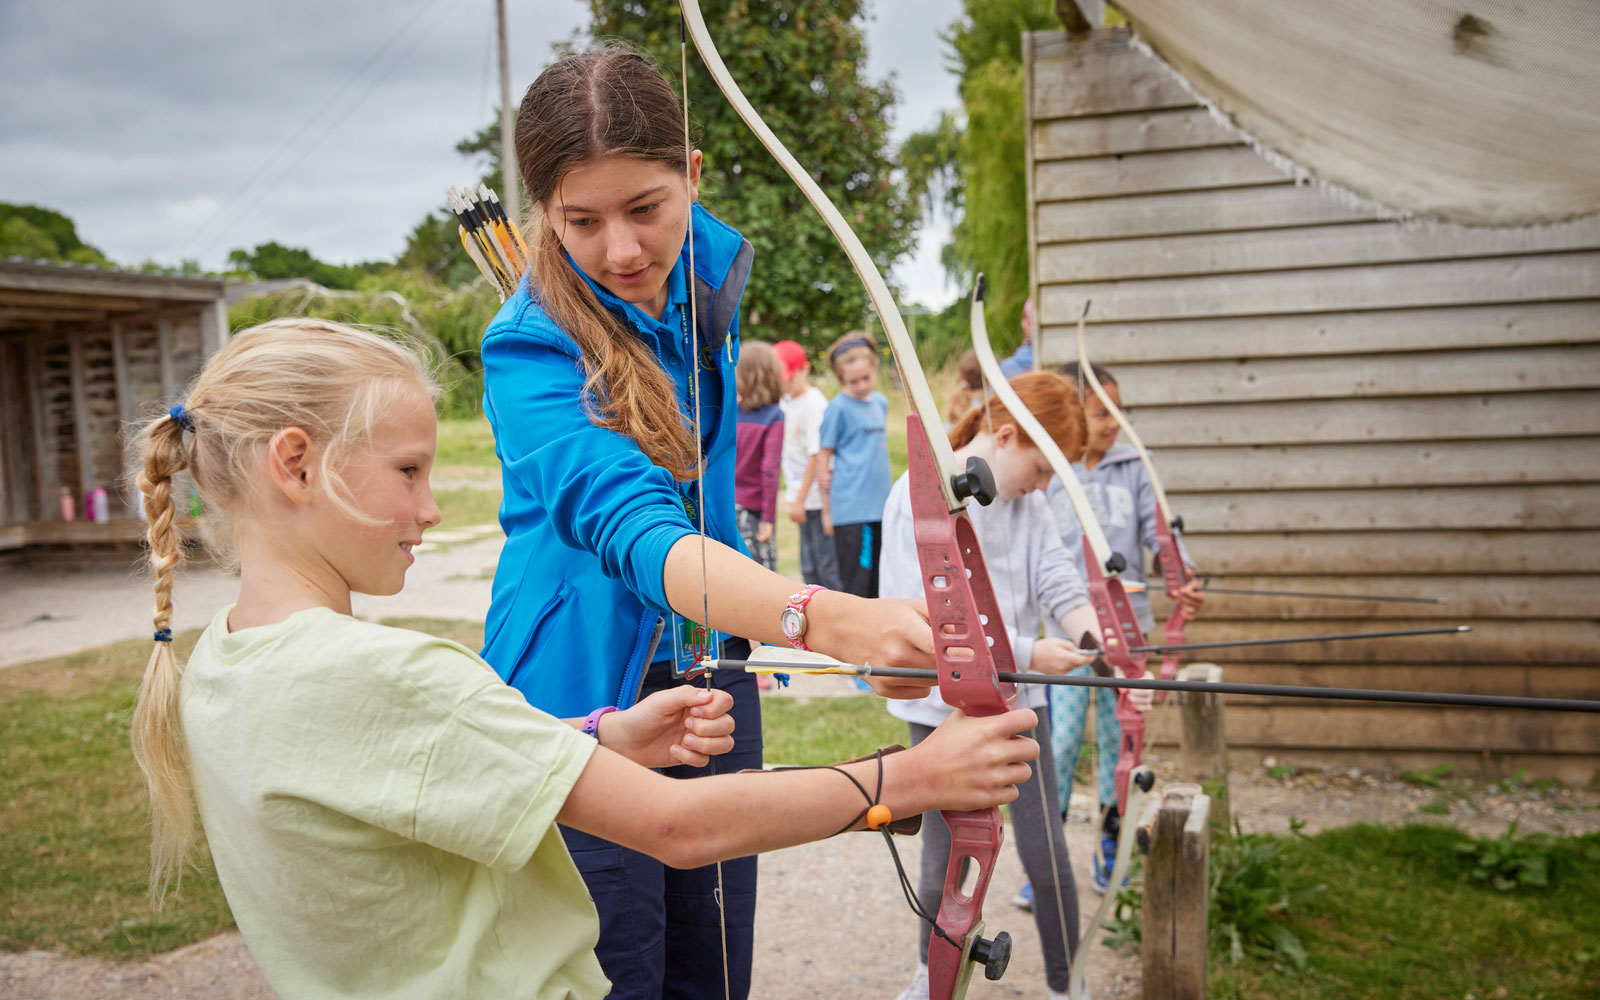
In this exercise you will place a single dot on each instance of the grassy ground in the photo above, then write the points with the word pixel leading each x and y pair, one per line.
pixel 1400 917
pixel 465 450
pixel 466 506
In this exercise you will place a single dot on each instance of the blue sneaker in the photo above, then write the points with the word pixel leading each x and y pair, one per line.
pixel 1105 860
pixel 1024 897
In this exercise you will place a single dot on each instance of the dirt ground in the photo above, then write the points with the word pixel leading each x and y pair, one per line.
pixel 831 922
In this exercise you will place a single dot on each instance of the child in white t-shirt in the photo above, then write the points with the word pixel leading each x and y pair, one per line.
pixel 381 807
pixel 803 406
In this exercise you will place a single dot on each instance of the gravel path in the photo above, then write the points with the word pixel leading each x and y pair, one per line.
pixel 50 612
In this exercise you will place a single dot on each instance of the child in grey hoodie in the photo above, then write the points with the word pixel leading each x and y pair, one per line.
pixel 1124 502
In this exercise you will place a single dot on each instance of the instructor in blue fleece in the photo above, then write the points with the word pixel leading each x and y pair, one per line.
pixel 596 386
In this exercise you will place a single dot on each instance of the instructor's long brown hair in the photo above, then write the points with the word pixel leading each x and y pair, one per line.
pixel 609 101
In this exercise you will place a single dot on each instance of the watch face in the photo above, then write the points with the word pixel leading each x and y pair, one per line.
pixel 791 621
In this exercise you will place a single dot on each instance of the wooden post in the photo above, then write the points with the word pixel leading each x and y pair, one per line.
pixel 80 426
pixel 46 469
pixel 213 328
pixel 1203 744
pixel 169 378
pixel 125 415
pixel 511 186
pixel 1175 837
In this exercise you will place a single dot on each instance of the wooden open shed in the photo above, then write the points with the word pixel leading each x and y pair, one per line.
pixel 84 354
pixel 1337 402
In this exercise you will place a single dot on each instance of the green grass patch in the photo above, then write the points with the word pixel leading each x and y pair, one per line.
pixel 73 824
pixel 1403 915
pixel 74 829
pixel 465 451
pixel 466 506
pixel 826 730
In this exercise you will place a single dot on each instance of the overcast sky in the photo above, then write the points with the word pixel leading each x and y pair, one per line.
pixel 173 129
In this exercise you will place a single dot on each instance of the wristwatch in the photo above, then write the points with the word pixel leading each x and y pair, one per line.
pixel 793 619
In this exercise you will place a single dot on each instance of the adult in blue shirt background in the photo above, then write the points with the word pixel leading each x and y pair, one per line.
pixel 592 386
pixel 1022 360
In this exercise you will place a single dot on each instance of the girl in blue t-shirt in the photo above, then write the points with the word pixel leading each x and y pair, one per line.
pixel 856 447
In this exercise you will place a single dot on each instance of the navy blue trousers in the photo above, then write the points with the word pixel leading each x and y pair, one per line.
pixel 660 929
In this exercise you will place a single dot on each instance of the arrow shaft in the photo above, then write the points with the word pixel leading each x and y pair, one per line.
pixel 1379 598
pixel 1200 687
pixel 1290 640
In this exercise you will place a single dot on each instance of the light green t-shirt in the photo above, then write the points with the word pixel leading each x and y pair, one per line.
pixel 381 808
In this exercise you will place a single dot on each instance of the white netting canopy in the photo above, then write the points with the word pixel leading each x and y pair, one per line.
pixel 1480 112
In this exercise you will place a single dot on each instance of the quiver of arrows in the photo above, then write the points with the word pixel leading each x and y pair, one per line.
pixel 490 239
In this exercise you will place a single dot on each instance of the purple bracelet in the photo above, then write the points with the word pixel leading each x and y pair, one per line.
pixel 591 725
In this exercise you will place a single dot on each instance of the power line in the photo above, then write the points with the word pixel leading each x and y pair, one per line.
pixel 229 205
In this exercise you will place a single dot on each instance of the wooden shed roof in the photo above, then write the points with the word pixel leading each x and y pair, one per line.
pixel 38 295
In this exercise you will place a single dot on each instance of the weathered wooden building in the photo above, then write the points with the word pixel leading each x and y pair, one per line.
pixel 1337 403
pixel 84 353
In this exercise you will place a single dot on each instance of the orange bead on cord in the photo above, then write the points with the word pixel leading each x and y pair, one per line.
pixel 879 816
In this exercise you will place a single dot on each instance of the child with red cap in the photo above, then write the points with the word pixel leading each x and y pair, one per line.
pixel 803 405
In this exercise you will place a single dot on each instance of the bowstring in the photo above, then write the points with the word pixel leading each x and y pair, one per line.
pixel 1093 700
pixel 1044 802
pixel 699 452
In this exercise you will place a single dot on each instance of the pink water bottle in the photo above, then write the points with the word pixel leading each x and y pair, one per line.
pixel 69 510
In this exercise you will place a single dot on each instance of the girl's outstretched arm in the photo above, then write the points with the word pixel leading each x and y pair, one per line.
pixel 968 763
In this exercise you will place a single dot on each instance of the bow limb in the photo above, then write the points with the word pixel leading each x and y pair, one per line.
pixel 970 644
pixel 1120 633
pixel 1174 573
pixel 883 303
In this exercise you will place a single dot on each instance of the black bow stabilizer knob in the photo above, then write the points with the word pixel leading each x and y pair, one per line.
pixel 994 954
pixel 977 482
pixel 1116 564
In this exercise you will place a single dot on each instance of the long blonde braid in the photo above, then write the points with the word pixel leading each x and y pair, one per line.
pixel 333 381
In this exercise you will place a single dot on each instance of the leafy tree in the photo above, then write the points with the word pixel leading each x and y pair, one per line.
pixel 976 164
pixel 447 323
pixel 273 260
pixel 801 65
pixel 44 234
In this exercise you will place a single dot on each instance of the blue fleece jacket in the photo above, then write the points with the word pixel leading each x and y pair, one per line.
pixel 578 594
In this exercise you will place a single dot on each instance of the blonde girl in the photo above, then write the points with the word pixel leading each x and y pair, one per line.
pixel 379 805
pixel 855 450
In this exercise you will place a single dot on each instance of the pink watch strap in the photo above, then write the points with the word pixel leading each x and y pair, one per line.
pixel 797 602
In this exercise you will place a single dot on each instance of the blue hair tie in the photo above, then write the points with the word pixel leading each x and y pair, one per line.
pixel 181 417
pixel 853 342
pixel 164 634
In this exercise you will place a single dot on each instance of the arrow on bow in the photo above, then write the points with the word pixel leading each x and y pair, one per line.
pixel 787 661
pixel 970 645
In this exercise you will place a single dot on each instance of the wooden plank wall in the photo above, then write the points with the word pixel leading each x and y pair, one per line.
pixel 73 398
pixel 1338 403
